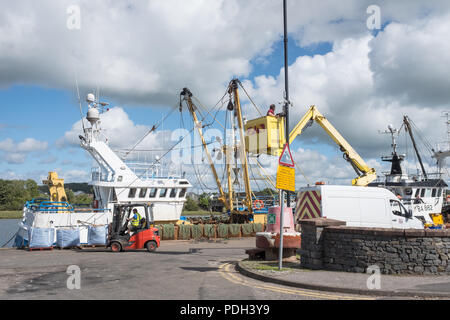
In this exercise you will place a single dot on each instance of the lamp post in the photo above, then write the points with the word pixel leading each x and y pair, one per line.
pixel 286 115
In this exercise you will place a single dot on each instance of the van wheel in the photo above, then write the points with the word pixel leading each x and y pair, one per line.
pixel 116 246
pixel 151 246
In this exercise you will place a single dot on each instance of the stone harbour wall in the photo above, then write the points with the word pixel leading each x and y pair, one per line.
pixel 330 245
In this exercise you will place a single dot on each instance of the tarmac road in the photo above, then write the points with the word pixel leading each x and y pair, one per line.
pixel 178 270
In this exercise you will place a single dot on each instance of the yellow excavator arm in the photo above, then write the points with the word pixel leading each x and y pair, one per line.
pixel 56 187
pixel 366 174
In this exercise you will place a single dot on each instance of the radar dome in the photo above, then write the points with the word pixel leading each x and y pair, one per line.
pixel 93 115
pixel 90 98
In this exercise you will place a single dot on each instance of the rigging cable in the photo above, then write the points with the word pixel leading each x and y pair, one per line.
pixel 254 104
pixel 154 127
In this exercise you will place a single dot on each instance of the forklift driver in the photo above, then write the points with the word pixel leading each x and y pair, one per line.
pixel 135 222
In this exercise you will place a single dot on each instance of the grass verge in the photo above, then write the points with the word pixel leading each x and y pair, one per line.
pixel 10 214
pixel 199 213
pixel 271 266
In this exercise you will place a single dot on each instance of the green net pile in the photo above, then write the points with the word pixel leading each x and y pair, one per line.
pixel 234 229
pixel 257 227
pixel 197 231
pixel 160 228
pixel 168 232
pixel 247 229
pixel 222 231
pixel 209 231
pixel 185 232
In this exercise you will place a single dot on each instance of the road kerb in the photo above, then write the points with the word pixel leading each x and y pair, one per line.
pixel 411 294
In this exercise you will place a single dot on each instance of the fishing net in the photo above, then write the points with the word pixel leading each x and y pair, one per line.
pixel 169 232
pixel 222 231
pixel 197 231
pixel 235 229
pixel 161 231
pixel 257 227
pixel 209 230
pixel 247 229
pixel 185 232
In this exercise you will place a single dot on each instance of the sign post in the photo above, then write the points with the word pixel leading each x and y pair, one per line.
pixel 285 181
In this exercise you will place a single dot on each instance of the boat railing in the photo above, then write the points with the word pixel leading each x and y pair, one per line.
pixel 443 146
pixel 98 175
pixel 58 207
pixel 146 165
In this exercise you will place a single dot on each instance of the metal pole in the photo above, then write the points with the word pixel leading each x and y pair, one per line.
pixel 286 85
pixel 286 113
pixel 280 251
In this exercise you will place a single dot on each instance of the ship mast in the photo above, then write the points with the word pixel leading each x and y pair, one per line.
pixel 408 128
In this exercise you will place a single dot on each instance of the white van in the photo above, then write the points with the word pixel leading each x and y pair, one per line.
pixel 358 206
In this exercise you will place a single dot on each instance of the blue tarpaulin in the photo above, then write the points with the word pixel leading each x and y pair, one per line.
pixel 68 237
pixel 97 235
pixel 41 237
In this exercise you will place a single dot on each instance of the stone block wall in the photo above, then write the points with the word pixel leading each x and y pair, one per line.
pixel 330 245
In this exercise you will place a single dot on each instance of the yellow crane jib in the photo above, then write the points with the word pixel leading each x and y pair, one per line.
pixel 56 187
pixel 266 135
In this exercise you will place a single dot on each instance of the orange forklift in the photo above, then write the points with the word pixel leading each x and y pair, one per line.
pixel 122 238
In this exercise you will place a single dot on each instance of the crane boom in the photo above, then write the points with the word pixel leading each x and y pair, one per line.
pixel 365 173
pixel 187 96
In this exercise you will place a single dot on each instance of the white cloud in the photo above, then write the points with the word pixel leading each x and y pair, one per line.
pixel 17 152
pixel 120 131
pixel 144 52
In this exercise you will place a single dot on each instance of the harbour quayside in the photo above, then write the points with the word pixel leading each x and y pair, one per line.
pixel 115 181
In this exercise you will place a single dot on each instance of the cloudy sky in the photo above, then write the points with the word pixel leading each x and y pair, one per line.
pixel 140 54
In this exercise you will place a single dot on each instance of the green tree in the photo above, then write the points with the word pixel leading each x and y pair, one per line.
pixel 190 204
pixel 14 193
pixel 70 195
pixel 203 201
pixel 83 199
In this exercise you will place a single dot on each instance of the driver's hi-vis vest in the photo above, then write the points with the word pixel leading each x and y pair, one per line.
pixel 136 220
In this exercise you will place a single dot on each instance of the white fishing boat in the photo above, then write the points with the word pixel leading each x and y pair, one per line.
pixel 424 196
pixel 115 180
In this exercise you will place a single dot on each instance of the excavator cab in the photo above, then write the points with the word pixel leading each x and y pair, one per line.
pixel 145 235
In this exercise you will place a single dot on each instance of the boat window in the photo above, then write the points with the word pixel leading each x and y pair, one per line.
pixel 433 192
pixel 422 193
pixel 439 192
pixel 143 192
pixel 152 193
pixel 173 193
pixel 132 193
pixel 163 193
pixel 119 179
pixel 114 195
pixel 417 193
pixel 428 193
pixel 182 193
pixel 408 191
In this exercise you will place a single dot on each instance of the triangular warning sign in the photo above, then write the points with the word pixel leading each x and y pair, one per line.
pixel 286 157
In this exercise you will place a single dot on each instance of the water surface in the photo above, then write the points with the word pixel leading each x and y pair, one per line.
pixel 8 228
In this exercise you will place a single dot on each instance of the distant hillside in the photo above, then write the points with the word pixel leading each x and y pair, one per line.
pixel 75 187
